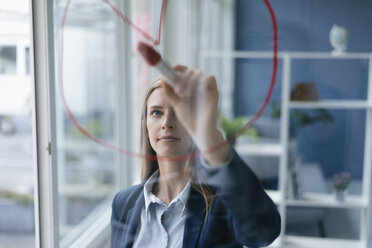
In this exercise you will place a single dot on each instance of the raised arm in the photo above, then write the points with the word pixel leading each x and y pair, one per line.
pixel 255 218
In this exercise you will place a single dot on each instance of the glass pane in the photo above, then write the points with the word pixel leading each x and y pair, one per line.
pixel 17 221
pixel 85 169
pixel 232 40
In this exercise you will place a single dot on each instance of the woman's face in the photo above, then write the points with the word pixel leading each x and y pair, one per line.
pixel 167 136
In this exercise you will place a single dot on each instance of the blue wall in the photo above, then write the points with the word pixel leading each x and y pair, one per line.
pixel 304 26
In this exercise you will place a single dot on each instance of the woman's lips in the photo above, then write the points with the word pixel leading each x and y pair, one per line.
pixel 168 139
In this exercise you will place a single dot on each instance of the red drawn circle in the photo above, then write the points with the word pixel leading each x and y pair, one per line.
pixel 157 42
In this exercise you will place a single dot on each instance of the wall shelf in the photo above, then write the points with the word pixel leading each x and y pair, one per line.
pixel 332 104
pixel 309 200
pixel 294 55
pixel 307 242
pixel 327 201
pixel 260 149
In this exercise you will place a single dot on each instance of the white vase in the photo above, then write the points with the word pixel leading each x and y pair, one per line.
pixel 340 194
pixel 338 37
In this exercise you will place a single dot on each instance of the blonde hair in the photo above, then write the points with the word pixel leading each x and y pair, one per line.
pixel 149 166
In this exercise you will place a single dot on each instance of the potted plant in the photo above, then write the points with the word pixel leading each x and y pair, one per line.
pixel 341 182
pixel 301 118
pixel 230 126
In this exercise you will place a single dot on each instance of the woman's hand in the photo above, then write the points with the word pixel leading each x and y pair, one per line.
pixel 195 102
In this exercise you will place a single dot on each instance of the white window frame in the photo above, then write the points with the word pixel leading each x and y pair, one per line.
pixel 46 191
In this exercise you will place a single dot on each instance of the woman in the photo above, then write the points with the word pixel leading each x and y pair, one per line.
pixel 214 200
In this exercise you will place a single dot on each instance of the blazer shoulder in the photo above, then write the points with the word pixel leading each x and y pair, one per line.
pixel 126 198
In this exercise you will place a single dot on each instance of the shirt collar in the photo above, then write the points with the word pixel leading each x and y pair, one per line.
pixel 151 198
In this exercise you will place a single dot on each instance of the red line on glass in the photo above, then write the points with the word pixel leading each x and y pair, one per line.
pixel 157 42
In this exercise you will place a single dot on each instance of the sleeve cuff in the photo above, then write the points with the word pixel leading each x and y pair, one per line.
pixel 207 166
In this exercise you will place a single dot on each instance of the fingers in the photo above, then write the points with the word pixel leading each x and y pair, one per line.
pixel 193 83
pixel 188 82
pixel 184 82
pixel 210 83
pixel 170 94
pixel 188 79
pixel 180 68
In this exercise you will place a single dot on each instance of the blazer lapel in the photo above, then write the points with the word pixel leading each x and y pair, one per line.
pixel 133 218
pixel 194 219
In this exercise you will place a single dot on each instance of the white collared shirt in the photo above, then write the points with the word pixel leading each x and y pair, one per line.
pixel 161 225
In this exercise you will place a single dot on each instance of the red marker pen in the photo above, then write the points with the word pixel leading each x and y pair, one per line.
pixel 153 58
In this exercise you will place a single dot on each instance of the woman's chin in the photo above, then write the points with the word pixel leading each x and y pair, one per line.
pixel 173 152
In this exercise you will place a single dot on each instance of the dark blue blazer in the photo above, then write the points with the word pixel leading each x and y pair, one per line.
pixel 241 214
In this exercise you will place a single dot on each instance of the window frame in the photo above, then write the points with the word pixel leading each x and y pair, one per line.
pixel 46 191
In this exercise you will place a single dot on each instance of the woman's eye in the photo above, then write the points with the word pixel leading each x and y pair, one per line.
pixel 155 112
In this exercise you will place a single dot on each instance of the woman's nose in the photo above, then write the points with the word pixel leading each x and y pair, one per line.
pixel 168 121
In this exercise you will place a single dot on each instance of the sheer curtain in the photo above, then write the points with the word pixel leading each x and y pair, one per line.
pixel 193 27
pixel 217 35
